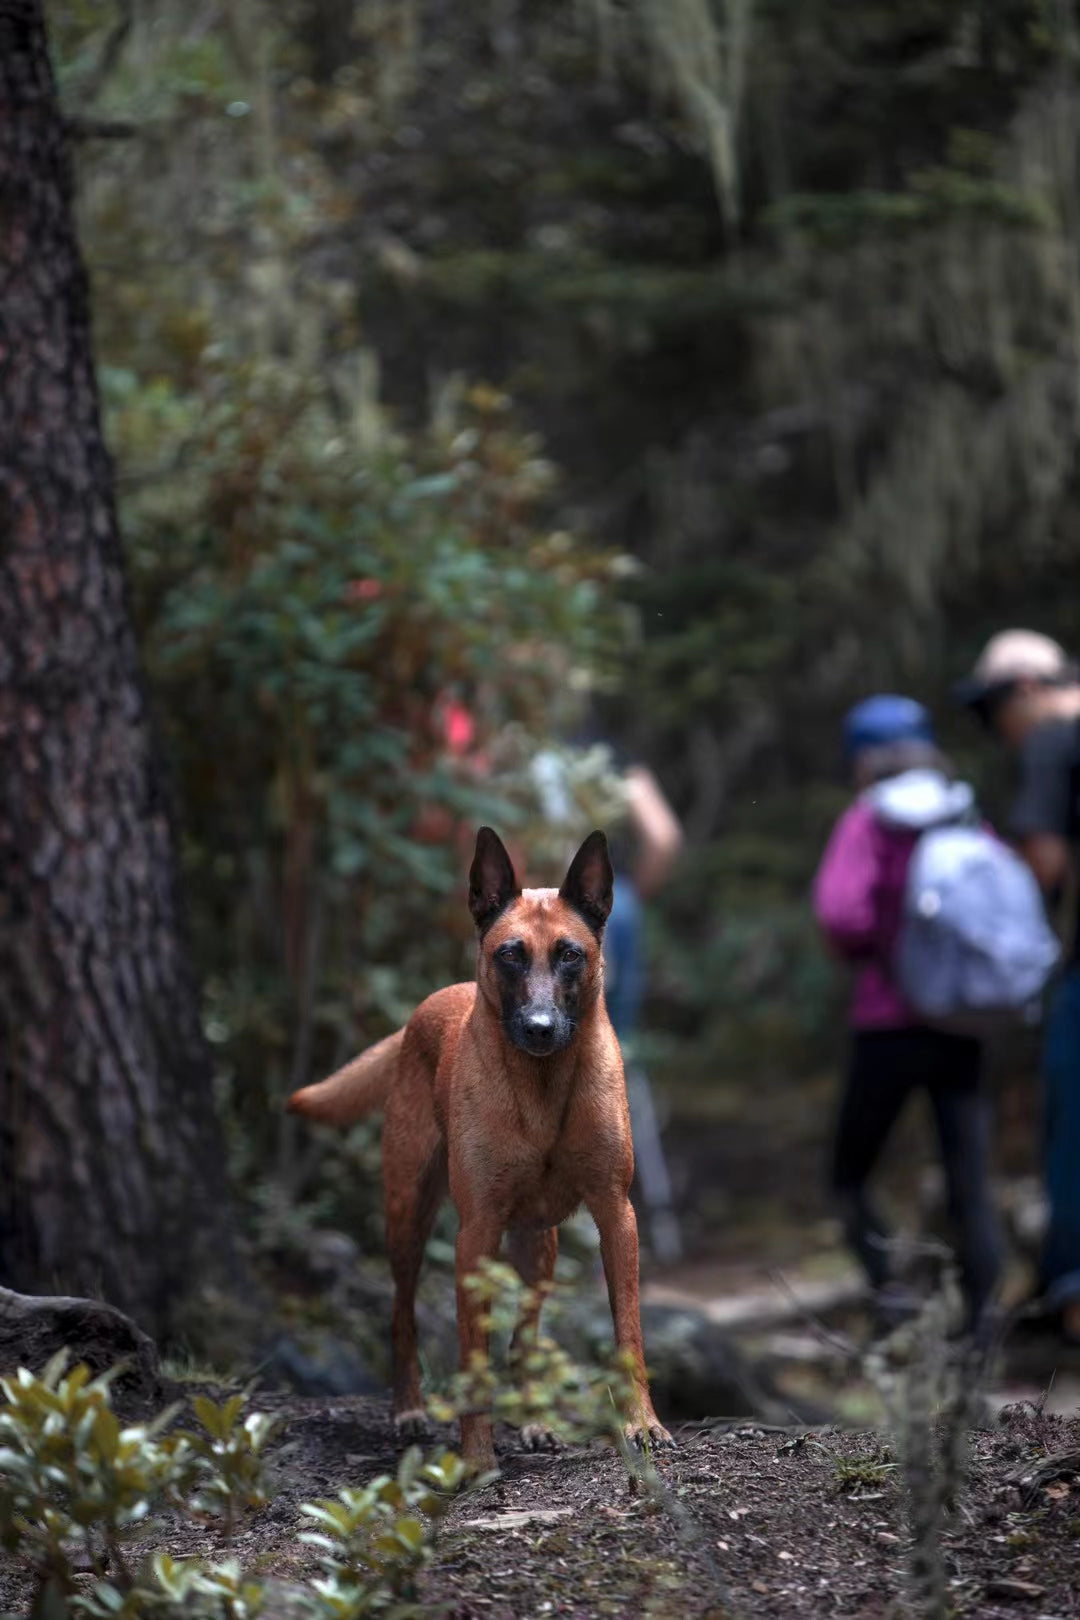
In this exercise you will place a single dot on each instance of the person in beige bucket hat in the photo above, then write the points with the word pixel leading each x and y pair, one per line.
pixel 1020 680
pixel 1026 690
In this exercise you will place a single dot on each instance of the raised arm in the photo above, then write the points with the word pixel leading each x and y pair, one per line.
pixel 657 831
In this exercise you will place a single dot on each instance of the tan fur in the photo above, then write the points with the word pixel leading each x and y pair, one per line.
pixel 519 1142
pixel 354 1091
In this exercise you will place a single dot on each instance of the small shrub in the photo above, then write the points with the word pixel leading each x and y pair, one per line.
pixel 75 1482
pixel 859 1473
pixel 72 1477
pixel 375 1540
pixel 544 1386
pixel 226 1469
pixel 170 1587
pixel 931 1387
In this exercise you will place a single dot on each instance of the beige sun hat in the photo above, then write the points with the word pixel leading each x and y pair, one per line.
pixel 1015 655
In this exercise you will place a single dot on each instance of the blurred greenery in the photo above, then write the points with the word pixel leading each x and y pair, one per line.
pixel 788 294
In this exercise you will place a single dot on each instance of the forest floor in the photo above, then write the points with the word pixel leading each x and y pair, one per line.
pixel 766 1524
pixel 753 1521
pixel 773 1525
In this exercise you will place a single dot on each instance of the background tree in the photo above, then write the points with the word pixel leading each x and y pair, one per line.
pixel 111 1164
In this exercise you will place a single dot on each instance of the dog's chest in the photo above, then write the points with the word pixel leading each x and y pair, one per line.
pixel 532 1157
pixel 541 1190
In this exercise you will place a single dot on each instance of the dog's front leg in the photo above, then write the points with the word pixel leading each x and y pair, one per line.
pixel 617 1225
pixel 478 1239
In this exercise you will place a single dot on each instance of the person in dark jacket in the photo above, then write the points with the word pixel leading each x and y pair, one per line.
pixel 1026 690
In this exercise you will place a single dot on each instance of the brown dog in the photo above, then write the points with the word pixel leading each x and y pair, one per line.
pixel 510 1093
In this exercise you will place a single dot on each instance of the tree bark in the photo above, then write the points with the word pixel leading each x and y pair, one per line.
pixel 111 1164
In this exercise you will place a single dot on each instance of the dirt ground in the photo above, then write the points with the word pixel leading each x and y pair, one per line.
pixel 772 1524
pixel 759 1522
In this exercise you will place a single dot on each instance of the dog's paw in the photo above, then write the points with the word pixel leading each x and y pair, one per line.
pixel 413 1425
pixel 535 1437
pixel 649 1434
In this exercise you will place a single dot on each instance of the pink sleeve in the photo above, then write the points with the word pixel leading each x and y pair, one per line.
pixel 844 888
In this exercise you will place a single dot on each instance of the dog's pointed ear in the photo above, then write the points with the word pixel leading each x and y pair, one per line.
pixel 492 884
pixel 589 885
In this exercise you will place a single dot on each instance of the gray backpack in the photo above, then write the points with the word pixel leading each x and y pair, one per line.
pixel 975 949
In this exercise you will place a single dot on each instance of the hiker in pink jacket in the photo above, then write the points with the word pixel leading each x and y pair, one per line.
pixel 905 786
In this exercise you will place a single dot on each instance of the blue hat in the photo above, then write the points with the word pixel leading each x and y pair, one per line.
pixel 883 719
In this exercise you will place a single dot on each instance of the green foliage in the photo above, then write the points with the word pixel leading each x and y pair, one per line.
pixel 226 1477
pixel 935 197
pixel 862 1473
pixel 375 1540
pixel 173 1587
pixel 314 614
pixel 317 607
pixel 219 1591
pixel 329 594
pixel 542 1386
pixel 841 446
pixel 931 1381
pixel 69 1470
pixel 73 1478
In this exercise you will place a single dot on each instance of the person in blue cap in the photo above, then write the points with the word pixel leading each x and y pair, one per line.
pixel 904 786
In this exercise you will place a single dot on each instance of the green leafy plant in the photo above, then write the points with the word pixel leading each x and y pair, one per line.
pixel 931 1385
pixel 543 1387
pixel 221 1587
pixel 170 1587
pixel 860 1473
pixel 226 1475
pixel 374 1540
pixel 72 1476
pixel 378 635
pixel 75 1483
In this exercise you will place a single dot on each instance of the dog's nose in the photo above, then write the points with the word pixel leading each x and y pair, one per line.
pixel 540 1023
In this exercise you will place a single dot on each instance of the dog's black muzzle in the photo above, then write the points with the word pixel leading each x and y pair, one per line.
pixel 540 1031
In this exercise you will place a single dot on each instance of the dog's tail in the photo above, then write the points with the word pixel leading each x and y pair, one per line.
pixel 352 1092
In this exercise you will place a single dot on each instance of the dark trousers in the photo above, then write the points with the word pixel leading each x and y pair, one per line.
pixel 1061 1148
pixel 886 1066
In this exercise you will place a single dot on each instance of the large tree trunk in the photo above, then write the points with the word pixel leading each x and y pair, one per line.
pixel 111 1163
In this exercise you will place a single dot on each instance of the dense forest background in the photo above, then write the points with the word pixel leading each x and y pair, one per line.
pixel 477 373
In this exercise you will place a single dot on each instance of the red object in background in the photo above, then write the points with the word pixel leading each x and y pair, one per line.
pixel 435 824
pixel 363 590
pixel 455 728
pixel 459 727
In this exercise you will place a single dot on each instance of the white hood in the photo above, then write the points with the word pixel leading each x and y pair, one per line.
pixel 920 799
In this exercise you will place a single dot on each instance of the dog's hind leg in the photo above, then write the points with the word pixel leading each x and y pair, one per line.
pixel 533 1254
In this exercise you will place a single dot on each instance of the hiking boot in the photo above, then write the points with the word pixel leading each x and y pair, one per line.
pixel 892 1306
pixel 1070 1322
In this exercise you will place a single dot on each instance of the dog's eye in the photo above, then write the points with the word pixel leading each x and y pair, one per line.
pixel 512 954
pixel 571 955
